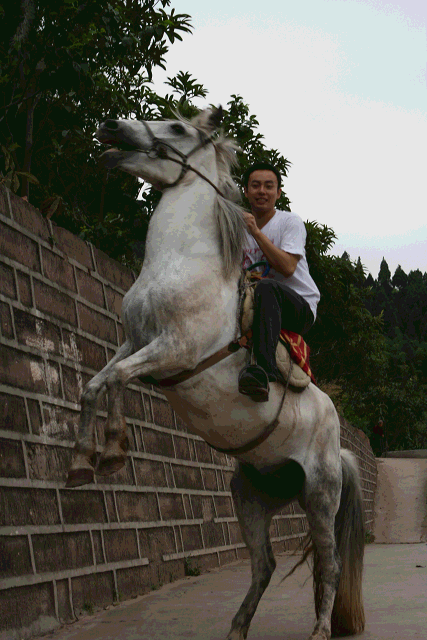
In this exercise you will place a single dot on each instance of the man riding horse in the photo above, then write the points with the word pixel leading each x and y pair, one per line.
pixel 288 297
pixel 181 310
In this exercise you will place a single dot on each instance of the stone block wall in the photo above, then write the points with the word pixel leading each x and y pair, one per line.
pixel 166 514
pixel 358 442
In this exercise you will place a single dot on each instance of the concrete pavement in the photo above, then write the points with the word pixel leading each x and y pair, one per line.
pixel 395 594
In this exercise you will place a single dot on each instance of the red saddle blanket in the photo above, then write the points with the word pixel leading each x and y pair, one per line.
pixel 298 350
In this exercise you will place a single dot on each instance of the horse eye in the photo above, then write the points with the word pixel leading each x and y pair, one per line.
pixel 178 128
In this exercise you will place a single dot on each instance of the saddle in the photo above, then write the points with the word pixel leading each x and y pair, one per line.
pixel 290 343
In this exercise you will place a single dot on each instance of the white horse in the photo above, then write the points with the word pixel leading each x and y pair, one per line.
pixel 182 310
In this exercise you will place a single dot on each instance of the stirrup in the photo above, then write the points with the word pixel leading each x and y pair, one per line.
pixel 254 369
pixel 258 386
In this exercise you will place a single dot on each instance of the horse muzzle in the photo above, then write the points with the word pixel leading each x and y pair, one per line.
pixel 112 134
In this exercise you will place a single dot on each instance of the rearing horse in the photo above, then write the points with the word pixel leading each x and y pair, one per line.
pixel 182 310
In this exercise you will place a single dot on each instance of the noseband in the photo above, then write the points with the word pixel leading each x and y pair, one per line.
pixel 158 149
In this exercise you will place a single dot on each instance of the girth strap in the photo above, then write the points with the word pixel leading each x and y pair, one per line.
pixel 186 375
pixel 252 444
pixel 205 364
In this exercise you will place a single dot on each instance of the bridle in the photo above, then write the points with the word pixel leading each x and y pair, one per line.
pixel 158 149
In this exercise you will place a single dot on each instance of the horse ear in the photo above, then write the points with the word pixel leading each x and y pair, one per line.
pixel 208 120
pixel 215 117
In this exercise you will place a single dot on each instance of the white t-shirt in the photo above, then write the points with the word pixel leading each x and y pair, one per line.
pixel 286 231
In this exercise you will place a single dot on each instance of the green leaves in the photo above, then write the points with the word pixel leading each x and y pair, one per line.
pixel 11 178
pixel 76 63
pixel 186 87
pixel 242 126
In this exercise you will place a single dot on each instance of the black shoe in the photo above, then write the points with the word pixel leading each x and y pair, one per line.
pixel 253 382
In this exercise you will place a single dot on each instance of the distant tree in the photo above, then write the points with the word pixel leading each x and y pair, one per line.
pixel 400 279
pixel 360 272
pixel 415 281
pixel 384 277
pixel 402 391
pixel 381 301
pixel 369 280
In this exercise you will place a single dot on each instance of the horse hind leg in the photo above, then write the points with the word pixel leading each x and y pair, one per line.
pixel 254 520
pixel 82 468
pixel 338 543
pixel 256 498
pixel 320 502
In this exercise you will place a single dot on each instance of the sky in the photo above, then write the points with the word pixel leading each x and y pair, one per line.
pixel 339 87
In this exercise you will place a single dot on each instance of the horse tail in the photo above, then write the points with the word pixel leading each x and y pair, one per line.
pixel 348 616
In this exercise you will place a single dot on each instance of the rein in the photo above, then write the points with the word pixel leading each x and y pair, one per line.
pixel 157 150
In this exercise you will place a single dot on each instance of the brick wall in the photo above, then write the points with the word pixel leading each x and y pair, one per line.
pixel 63 552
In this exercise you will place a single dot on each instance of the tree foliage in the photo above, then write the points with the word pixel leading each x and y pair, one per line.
pixel 64 67
pixel 346 338
pixel 348 351
pixel 398 395
pixel 369 342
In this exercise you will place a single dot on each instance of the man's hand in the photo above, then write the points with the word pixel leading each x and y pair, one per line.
pixel 282 261
pixel 250 223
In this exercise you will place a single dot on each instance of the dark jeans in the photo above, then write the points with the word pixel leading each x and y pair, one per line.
pixel 276 307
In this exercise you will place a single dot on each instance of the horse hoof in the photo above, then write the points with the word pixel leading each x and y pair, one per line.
pixel 238 634
pixel 320 635
pixel 79 477
pixel 81 471
pixel 110 465
pixel 113 458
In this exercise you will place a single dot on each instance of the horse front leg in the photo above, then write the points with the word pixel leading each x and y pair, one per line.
pixel 161 354
pixel 114 455
pixel 82 469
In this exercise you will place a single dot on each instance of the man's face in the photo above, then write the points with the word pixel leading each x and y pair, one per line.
pixel 262 191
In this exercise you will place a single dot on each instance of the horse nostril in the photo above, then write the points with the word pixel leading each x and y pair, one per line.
pixel 111 124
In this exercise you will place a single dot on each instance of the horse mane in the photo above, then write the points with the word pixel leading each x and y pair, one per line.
pixel 228 209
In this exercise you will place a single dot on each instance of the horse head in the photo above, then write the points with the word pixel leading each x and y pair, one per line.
pixel 157 152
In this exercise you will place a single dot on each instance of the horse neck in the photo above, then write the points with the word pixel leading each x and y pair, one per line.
pixel 183 244
pixel 185 220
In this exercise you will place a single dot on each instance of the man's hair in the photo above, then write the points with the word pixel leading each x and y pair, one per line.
pixel 261 166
